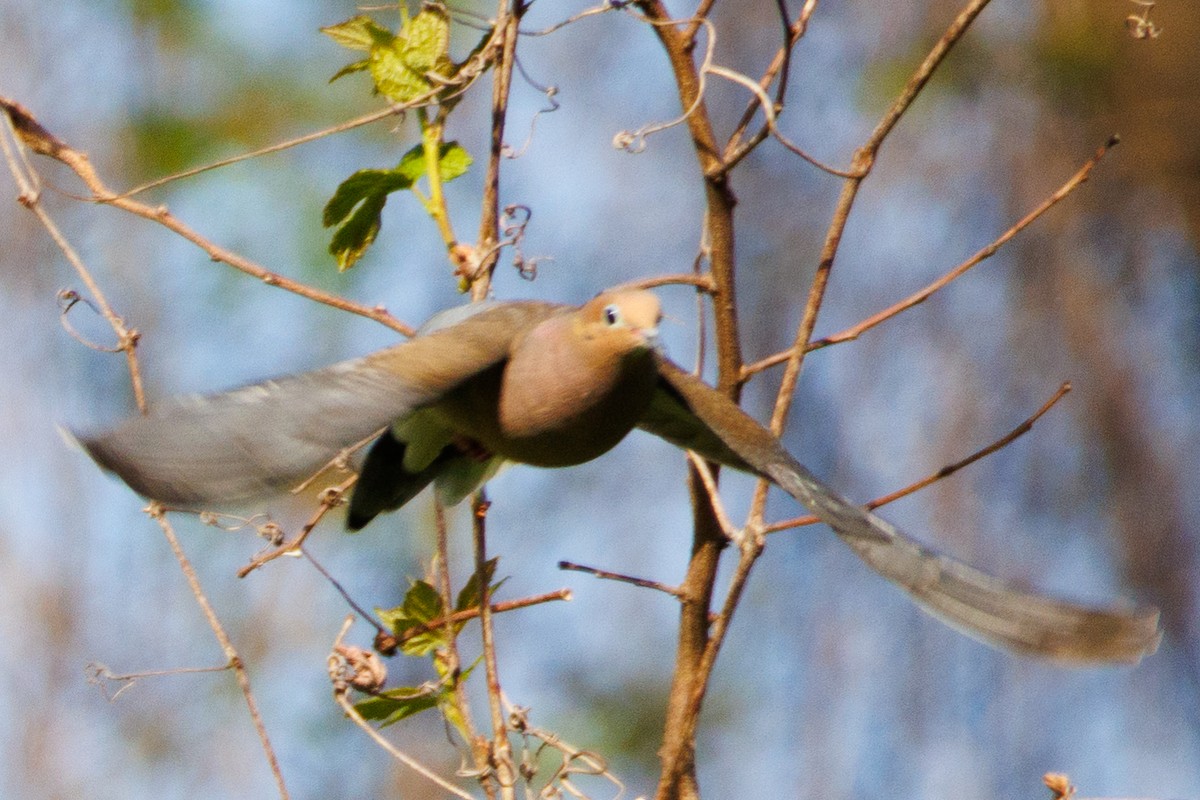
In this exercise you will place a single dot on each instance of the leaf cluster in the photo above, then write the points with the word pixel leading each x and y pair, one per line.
pixel 356 207
pixel 411 66
pixel 420 627
pixel 404 65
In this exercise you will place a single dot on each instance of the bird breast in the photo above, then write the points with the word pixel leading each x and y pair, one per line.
pixel 558 400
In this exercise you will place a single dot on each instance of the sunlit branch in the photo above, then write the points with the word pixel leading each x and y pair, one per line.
pixel 853 332
pixel 945 471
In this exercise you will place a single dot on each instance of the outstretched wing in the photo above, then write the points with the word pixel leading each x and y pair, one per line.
pixel 691 414
pixel 260 439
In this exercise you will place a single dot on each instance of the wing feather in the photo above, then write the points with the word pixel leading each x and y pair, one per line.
pixel 253 441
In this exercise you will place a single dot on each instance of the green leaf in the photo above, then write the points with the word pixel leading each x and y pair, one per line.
pixel 454 161
pixel 393 78
pixel 399 65
pixel 422 602
pixel 422 605
pixel 396 704
pixel 349 69
pixel 357 206
pixel 469 596
pixel 420 644
pixel 447 702
pixel 427 37
pixel 452 158
pixel 357 188
pixel 359 33
pixel 425 642
pixel 357 233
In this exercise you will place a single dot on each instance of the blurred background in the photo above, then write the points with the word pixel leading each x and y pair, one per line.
pixel 832 684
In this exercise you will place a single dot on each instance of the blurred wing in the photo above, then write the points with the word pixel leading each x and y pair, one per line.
pixel 694 415
pixel 269 437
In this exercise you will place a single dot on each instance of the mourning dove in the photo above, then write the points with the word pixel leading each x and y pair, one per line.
pixel 552 386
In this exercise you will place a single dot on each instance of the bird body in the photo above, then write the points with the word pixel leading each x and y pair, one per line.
pixel 551 386
pixel 540 408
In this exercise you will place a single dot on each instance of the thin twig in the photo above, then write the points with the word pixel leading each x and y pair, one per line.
pixel 469 614
pixel 439 94
pixel 853 332
pixel 337 587
pixel 235 661
pixel 452 663
pixel 603 8
pixel 478 276
pixel 769 112
pixel 341 692
pixel 574 760
pixel 714 495
pixel 735 148
pixel 697 19
pixel 635 141
pixel 416 766
pixel 645 583
pixel 501 755
pixel 78 163
pixel 945 471
pixel 357 122
pixel 22 128
pixel 331 498
pixel 861 165
pixel 98 674
pixel 701 281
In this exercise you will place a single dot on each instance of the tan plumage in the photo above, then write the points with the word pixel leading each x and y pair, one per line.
pixel 551 386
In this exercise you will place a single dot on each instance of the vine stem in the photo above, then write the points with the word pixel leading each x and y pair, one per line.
pixel 231 654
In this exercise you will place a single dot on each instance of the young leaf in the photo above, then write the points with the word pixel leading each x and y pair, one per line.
pixel 357 233
pixel 422 602
pixel 452 158
pixel 454 161
pixel 358 33
pixel 357 188
pixel 427 39
pixel 399 66
pixel 356 206
pixel 349 69
pixel 425 642
pixel 469 596
pixel 393 78
pixel 396 704
pixel 448 702
pixel 419 644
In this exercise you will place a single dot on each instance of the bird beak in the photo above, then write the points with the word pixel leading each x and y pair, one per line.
pixel 650 335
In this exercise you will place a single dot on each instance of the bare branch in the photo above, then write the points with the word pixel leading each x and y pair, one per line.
pixel 21 128
pixel 235 661
pixel 338 669
pixel 604 574
pixel 81 166
pixel 357 122
pixel 99 675
pixel 471 613
pixel 945 471
pixel 478 275
pixel 735 148
pixel 331 498
pixel 500 759
pixel 861 165
pixel 1074 182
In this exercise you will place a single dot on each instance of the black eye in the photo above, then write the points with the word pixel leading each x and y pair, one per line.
pixel 612 315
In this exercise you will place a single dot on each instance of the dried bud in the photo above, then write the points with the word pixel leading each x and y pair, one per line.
pixel 365 670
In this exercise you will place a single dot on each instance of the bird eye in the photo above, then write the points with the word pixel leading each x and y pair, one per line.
pixel 612 314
